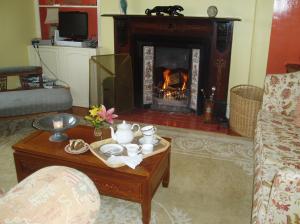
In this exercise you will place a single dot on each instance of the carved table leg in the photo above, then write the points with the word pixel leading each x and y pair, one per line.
pixel 166 177
pixel 146 211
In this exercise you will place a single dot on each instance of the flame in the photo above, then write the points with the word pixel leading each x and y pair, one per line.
pixel 185 79
pixel 168 95
pixel 166 75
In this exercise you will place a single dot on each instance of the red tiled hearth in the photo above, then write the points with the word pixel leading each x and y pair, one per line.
pixel 179 120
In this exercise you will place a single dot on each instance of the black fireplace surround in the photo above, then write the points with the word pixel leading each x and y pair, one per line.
pixel 212 36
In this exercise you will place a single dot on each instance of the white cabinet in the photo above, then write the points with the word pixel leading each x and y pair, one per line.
pixel 50 59
pixel 70 64
pixel 75 66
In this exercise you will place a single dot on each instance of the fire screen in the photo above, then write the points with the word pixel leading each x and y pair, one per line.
pixel 111 81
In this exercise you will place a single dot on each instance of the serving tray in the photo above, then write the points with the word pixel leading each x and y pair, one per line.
pixel 162 145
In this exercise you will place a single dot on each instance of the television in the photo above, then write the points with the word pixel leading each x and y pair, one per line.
pixel 73 25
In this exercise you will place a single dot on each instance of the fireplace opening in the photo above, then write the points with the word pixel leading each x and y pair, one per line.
pixel 171 78
pixel 173 93
pixel 171 87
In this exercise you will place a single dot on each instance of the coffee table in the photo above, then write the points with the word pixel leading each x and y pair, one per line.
pixel 138 185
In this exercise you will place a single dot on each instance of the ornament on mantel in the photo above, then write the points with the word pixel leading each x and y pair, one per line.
pixel 123 6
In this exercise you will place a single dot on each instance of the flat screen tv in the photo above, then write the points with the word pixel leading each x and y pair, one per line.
pixel 73 25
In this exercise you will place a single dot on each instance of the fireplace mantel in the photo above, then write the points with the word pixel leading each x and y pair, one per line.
pixel 225 19
pixel 214 33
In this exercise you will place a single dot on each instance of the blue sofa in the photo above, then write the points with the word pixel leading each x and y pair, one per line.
pixel 25 100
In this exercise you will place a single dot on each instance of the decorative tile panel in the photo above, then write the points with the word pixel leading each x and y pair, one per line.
pixel 148 61
pixel 195 78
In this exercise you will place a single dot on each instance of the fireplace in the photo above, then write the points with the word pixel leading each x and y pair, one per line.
pixel 174 58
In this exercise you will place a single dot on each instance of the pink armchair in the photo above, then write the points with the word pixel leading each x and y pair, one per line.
pixel 51 195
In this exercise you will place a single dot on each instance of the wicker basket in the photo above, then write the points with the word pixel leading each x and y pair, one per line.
pixel 245 102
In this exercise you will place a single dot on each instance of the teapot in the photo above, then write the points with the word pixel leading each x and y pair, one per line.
pixel 124 133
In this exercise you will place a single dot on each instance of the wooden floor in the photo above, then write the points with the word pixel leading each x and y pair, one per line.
pixel 180 120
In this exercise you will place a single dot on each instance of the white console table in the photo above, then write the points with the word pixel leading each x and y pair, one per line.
pixel 70 64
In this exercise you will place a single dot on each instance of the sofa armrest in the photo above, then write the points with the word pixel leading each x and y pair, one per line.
pixel 54 194
pixel 281 92
pixel 1 192
pixel 284 201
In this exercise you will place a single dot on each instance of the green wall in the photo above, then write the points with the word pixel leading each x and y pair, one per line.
pixel 17 29
pixel 251 35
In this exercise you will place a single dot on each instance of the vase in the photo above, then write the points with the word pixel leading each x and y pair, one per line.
pixel 98 132
pixel 208 110
pixel 123 6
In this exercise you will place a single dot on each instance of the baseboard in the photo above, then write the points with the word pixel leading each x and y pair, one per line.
pixel 80 111
pixel 26 116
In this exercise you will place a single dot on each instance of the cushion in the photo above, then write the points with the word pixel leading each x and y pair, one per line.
pixel 281 92
pixel 19 78
pixel 13 82
pixel 2 83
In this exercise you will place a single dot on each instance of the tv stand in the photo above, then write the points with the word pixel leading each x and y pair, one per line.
pixel 69 43
pixel 59 41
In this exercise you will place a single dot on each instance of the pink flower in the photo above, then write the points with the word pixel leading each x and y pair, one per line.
pixel 286 93
pixel 107 115
pixel 274 80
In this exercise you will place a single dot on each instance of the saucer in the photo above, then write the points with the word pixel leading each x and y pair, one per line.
pixel 85 148
pixel 111 149
pixel 155 141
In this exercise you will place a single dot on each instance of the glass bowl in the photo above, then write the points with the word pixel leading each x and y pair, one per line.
pixel 57 124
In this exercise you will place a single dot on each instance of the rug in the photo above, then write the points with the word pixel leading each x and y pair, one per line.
pixel 210 182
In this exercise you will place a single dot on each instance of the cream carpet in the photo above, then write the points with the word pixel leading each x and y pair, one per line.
pixel 210 183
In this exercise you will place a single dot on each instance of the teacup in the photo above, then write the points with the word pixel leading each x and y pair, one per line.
pixel 132 149
pixel 148 139
pixel 147 148
pixel 148 130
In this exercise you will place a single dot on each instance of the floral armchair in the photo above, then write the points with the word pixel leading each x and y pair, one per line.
pixel 53 194
pixel 277 153
pixel 284 200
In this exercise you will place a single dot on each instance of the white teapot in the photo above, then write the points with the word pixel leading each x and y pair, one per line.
pixel 124 133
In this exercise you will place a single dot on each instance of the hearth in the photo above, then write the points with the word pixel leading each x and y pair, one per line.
pixel 174 58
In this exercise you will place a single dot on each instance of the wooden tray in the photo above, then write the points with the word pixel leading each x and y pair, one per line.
pixel 162 145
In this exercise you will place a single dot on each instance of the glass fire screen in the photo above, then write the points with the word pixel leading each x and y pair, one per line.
pixel 111 81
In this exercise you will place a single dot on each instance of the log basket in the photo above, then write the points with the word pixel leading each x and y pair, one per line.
pixel 245 102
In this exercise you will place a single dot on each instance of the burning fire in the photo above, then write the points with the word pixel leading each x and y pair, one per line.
pixel 167 79
pixel 185 79
pixel 167 75
pixel 174 85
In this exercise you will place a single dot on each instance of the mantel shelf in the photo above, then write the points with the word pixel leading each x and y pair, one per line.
pixel 173 17
pixel 68 6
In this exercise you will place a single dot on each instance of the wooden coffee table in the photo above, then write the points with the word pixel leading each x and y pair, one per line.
pixel 137 185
